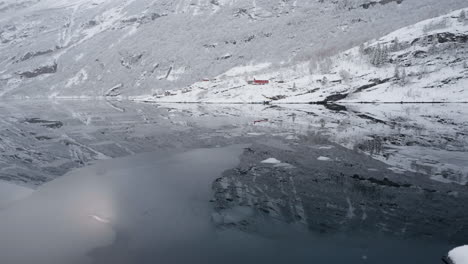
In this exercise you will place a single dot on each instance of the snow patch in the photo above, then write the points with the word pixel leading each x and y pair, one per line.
pixel 79 57
pixel 459 255
pixel 271 161
pixel 79 78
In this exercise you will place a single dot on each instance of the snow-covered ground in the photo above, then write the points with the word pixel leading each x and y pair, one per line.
pixel 425 62
pixel 459 255
pixel 84 48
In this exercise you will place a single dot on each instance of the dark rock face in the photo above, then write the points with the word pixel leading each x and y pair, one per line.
pixel 45 123
pixel 32 54
pixel 115 91
pixel 382 2
pixel 144 19
pixel 46 69
pixel 449 37
pixel 444 37
pixel 335 97
pixel 351 193
pixel 373 83
pixel 129 60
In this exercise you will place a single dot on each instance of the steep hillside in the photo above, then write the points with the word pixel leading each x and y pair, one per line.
pixel 426 62
pixel 79 48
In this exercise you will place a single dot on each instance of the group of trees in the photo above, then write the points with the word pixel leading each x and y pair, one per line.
pixel 397 45
pixel 325 65
pixel 400 75
pixel 379 55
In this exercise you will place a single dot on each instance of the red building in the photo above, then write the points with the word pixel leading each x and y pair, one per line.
pixel 259 82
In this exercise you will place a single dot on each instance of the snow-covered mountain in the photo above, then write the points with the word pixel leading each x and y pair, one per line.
pixel 79 48
pixel 425 62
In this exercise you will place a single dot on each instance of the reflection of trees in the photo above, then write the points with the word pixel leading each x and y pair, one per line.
pixel 372 146
pixel 313 137
pixel 453 175
pixel 415 165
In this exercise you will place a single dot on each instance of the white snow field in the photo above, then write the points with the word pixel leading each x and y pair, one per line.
pixel 459 255
pixel 146 48
pixel 425 62
pixel 271 161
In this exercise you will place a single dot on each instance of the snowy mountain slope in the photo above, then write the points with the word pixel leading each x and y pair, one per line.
pixel 426 62
pixel 79 48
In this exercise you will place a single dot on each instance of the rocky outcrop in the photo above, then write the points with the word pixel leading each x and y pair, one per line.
pixel 32 54
pixel 45 69
pixel 115 90
pixel 381 2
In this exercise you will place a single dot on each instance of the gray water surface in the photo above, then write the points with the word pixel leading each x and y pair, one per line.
pixel 121 182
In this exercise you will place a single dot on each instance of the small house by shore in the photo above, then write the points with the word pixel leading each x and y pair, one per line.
pixel 259 82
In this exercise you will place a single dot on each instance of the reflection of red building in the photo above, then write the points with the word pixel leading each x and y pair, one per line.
pixel 259 82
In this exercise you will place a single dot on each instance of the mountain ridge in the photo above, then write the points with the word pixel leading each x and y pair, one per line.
pixel 425 62
pixel 73 49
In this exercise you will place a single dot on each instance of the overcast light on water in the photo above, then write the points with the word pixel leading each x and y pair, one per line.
pixel 233 131
pixel 204 184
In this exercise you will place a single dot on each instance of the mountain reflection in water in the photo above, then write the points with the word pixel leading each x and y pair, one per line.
pixel 376 183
